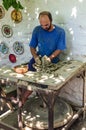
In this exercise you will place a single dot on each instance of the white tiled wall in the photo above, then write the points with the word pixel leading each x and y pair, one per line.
pixel 71 15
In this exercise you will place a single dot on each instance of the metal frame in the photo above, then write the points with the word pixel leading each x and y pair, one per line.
pixel 49 98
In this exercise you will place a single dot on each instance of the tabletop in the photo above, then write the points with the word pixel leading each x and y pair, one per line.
pixel 63 71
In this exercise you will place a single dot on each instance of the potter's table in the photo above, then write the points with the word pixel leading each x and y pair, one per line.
pixel 34 81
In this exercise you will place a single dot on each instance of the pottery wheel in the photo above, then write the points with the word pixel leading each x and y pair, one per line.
pixel 36 116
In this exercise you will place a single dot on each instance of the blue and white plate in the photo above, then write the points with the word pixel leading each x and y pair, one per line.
pixel 4 48
pixel 18 48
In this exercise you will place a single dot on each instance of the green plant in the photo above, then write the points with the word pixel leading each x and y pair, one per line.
pixel 8 3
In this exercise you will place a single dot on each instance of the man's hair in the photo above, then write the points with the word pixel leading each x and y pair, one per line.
pixel 46 13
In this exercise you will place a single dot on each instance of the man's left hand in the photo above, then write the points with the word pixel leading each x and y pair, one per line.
pixel 46 60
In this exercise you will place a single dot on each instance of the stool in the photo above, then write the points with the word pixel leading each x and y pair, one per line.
pixel 6 92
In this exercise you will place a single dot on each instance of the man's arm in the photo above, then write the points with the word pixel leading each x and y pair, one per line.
pixel 55 54
pixel 47 60
pixel 33 52
pixel 36 57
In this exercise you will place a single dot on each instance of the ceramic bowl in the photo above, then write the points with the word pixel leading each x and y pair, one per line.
pixel 21 69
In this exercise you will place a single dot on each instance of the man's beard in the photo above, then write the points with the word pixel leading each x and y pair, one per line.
pixel 48 28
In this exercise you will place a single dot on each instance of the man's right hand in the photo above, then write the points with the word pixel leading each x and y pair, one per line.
pixel 37 60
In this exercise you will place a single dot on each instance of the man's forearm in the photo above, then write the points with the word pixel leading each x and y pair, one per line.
pixel 33 52
pixel 55 54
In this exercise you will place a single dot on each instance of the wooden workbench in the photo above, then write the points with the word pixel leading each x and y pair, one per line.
pixel 34 81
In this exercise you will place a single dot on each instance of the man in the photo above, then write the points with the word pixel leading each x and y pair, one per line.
pixel 47 40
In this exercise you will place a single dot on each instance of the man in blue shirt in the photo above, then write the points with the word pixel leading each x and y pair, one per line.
pixel 47 40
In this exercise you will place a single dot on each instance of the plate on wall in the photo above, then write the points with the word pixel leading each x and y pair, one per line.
pixel 4 48
pixel 12 58
pixel 18 48
pixel 16 16
pixel 7 31
pixel 2 12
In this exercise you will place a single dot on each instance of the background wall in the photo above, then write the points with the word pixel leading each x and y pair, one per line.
pixel 70 15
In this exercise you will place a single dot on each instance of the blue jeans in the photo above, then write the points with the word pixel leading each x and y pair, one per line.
pixel 30 65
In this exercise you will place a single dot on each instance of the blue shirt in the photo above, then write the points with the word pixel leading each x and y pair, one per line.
pixel 47 42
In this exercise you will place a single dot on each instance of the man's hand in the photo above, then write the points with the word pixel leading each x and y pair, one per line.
pixel 46 60
pixel 37 60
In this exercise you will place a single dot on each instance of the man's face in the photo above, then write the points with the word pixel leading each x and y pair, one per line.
pixel 45 22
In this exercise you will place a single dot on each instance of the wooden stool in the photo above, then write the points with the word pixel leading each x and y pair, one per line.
pixel 6 92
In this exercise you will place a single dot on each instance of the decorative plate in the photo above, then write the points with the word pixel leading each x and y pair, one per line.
pixel 12 58
pixel 2 12
pixel 16 16
pixel 3 48
pixel 7 31
pixel 18 48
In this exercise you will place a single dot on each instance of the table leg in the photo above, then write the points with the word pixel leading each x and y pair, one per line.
pixel 49 97
pixel 19 96
pixel 84 93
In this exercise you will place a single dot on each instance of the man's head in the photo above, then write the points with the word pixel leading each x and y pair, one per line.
pixel 45 19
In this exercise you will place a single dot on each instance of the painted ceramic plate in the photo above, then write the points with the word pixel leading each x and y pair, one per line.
pixel 7 31
pixel 16 16
pixel 2 12
pixel 12 58
pixel 4 48
pixel 18 48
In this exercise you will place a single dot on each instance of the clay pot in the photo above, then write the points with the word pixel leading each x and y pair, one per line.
pixel 21 69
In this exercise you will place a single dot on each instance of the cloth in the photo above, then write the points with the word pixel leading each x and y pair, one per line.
pixel 47 42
